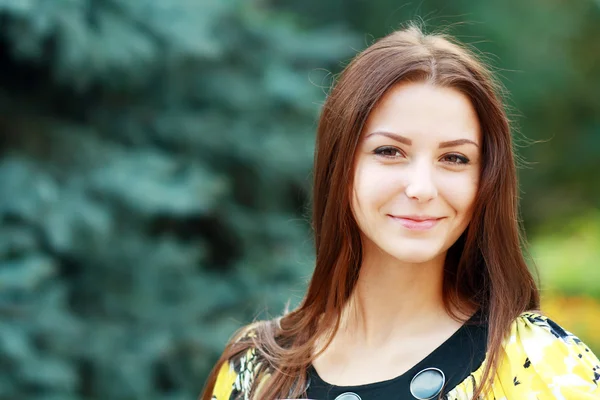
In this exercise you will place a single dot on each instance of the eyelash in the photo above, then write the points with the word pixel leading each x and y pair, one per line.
pixel 462 160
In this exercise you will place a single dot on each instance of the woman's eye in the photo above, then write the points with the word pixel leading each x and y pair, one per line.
pixel 456 159
pixel 389 152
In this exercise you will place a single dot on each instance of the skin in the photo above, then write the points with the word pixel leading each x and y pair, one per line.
pixel 396 316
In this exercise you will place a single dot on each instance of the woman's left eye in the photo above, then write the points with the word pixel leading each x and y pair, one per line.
pixel 455 159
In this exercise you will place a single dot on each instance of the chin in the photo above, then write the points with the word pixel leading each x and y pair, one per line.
pixel 415 254
pixel 415 257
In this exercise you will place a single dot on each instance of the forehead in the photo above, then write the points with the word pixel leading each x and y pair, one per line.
pixel 425 111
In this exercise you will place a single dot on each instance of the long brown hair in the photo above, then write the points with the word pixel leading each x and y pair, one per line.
pixel 484 269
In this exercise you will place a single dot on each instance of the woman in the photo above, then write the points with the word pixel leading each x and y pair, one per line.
pixel 420 288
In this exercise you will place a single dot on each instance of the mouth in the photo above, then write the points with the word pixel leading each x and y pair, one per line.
pixel 416 223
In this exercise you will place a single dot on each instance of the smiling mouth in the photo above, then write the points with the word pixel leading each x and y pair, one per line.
pixel 417 223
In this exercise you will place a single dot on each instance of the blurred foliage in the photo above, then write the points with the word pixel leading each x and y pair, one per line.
pixel 156 161
pixel 567 257
pixel 154 170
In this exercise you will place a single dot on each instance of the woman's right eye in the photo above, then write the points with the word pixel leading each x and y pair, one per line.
pixel 388 152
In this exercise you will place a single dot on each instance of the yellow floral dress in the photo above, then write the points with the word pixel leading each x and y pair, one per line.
pixel 540 361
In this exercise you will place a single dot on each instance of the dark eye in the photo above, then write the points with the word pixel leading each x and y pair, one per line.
pixel 455 159
pixel 388 152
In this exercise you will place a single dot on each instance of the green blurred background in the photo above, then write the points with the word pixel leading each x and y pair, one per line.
pixel 156 163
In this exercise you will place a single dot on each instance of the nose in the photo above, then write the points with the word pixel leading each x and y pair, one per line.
pixel 420 183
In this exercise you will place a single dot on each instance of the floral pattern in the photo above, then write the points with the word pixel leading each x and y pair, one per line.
pixel 237 377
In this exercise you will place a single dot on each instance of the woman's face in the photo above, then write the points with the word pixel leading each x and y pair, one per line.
pixel 417 172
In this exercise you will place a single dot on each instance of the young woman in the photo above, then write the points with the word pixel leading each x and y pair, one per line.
pixel 420 288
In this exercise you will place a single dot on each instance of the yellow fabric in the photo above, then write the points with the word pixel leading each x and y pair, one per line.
pixel 539 361
pixel 225 382
pixel 236 378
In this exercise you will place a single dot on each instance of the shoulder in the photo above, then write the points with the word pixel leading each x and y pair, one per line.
pixel 544 358
pixel 237 374
pixel 544 338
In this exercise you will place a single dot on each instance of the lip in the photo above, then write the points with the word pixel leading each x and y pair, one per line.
pixel 416 222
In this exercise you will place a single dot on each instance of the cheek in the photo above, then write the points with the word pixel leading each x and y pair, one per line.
pixel 373 186
pixel 460 191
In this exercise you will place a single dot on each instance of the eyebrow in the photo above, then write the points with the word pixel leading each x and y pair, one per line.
pixel 408 142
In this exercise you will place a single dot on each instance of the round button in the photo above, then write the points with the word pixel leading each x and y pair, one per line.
pixel 427 384
pixel 348 396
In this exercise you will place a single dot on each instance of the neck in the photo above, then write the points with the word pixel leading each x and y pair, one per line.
pixel 394 299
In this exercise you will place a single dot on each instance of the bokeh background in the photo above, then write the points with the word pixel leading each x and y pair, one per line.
pixel 155 172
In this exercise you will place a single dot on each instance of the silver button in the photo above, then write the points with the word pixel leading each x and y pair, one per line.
pixel 348 396
pixel 427 384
